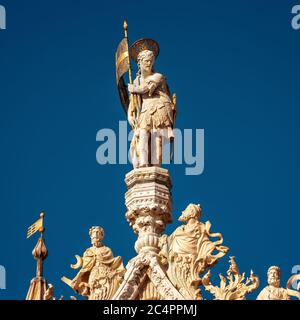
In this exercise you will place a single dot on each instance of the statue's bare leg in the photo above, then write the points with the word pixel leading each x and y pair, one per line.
pixel 143 148
pixel 156 149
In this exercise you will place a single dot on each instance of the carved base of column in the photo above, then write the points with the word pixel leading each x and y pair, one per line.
pixel 149 204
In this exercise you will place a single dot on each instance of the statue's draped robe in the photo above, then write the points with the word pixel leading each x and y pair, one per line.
pixel 194 240
pixel 100 274
pixel 272 293
pixel 189 252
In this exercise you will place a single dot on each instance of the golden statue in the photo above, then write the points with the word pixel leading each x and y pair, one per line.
pixel 236 288
pixel 273 291
pixel 189 251
pixel 151 111
pixel 100 274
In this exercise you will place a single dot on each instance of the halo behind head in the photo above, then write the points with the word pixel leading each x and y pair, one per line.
pixel 141 45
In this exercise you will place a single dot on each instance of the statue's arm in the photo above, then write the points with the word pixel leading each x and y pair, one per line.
pixel 130 113
pixel 132 110
pixel 139 89
pixel 148 86
pixel 132 105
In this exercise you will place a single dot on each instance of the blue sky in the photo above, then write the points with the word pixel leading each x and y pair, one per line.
pixel 235 68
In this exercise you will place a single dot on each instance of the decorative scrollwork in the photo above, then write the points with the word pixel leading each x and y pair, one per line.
pixel 232 287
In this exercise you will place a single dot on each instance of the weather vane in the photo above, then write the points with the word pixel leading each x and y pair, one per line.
pixel 38 285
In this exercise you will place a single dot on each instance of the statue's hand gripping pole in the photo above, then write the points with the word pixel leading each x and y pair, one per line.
pixel 134 98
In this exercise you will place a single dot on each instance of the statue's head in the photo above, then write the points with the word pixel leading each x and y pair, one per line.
pixel 97 234
pixel 274 276
pixel 144 52
pixel 192 211
pixel 146 60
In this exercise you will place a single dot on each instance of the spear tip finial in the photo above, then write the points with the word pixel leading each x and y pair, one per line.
pixel 125 25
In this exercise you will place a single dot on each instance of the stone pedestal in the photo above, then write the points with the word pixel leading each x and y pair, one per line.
pixel 149 204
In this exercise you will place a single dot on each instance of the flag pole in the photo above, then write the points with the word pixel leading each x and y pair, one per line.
pixel 125 27
pixel 135 98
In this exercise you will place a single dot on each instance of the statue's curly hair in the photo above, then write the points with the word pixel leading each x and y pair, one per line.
pixel 191 211
pixel 274 268
pixel 95 228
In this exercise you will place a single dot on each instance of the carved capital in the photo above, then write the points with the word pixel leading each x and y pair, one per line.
pixel 149 204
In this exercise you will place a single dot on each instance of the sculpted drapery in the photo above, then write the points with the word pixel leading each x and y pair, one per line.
pixel 189 251
pixel 100 272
